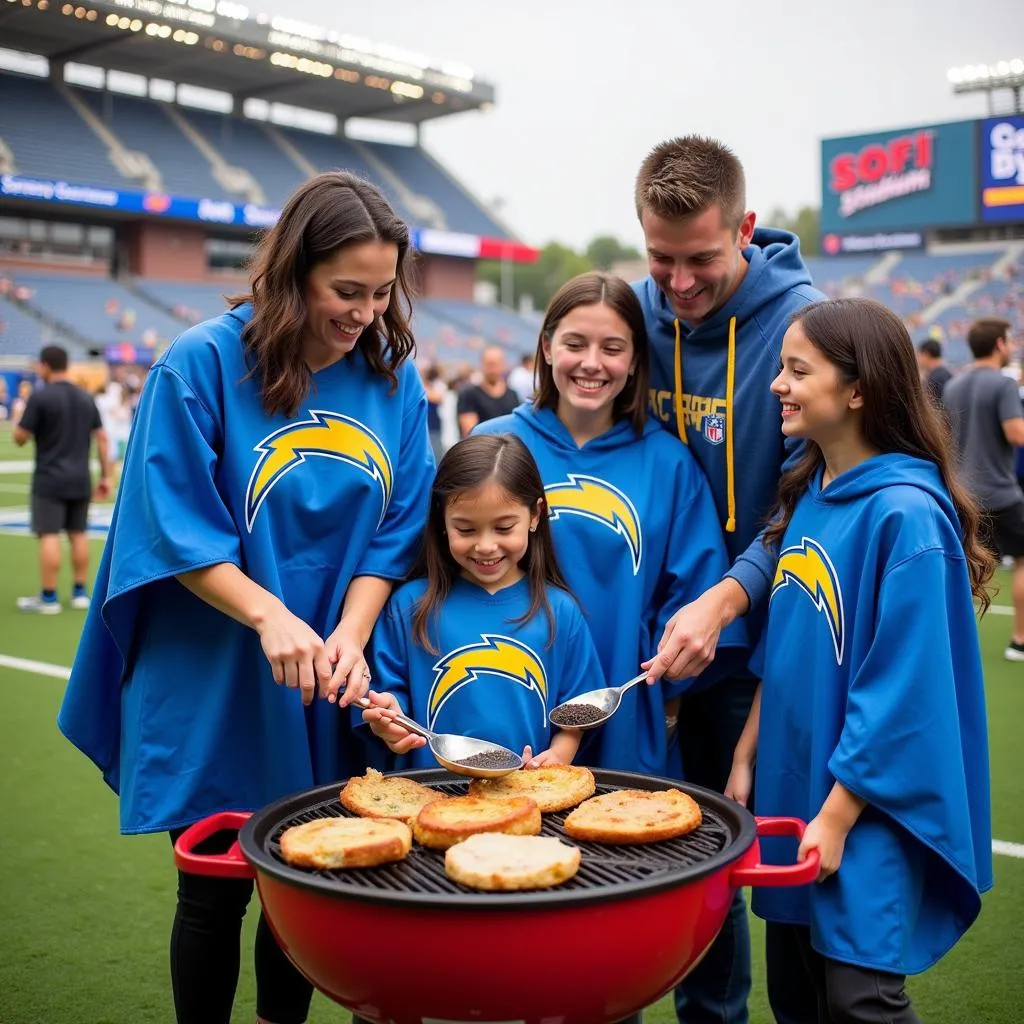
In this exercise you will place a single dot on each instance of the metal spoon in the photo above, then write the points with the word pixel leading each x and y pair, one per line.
pixel 452 750
pixel 606 700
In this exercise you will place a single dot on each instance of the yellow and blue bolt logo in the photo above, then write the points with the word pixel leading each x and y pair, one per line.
pixel 494 655
pixel 598 500
pixel 808 566
pixel 326 434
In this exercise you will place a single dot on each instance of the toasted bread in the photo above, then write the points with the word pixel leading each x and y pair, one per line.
pixel 346 842
pixel 386 796
pixel 448 821
pixel 634 816
pixel 554 787
pixel 496 862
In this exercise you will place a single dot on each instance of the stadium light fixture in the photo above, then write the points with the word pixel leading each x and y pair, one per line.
pixel 1006 74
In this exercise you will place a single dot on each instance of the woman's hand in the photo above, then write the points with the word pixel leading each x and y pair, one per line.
pixel 690 639
pixel 741 781
pixel 298 657
pixel 351 673
pixel 379 719
pixel 828 837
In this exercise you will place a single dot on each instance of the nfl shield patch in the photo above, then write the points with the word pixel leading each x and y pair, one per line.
pixel 714 428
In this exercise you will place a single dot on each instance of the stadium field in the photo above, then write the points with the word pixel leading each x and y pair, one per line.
pixel 86 912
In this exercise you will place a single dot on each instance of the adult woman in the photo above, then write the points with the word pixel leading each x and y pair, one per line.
pixel 634 523
pixel 274 486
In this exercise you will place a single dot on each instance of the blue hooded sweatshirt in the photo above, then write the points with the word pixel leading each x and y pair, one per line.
pixel 734 430
pixel 872 677
pixel 495 675
pixel 637 537
pixel 173 700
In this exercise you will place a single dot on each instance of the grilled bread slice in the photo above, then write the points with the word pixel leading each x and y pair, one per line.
pixel 634 816
pixel 499 863
pixel 554 787
pixel 346 842
pixel 451 819
pixel 386 796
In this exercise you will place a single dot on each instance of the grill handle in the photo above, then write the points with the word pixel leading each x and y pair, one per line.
pixel 776 875
pixel 230 864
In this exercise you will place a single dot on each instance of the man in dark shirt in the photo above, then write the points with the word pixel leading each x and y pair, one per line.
pixel 490 398
pixel 63 419
pixel 985 413
pixel 934 372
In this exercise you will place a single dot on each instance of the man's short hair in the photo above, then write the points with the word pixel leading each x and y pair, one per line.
pixel 931 348
pixel 55 358
pixel 985 333
pixel 686 176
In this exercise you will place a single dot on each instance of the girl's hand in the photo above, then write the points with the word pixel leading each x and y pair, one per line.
pixel 545 757
pixel 378 718
pixel 297 655
pixel 740 782
pixel 351 673
pixel 829 839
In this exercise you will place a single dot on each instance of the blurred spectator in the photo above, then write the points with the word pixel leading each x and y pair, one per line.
pixel 521 379
pixel 491 397
pixel 437 391
pixel 934 373
pixel 64 422
pixel 19 403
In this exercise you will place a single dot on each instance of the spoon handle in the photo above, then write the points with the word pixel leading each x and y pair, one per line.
pixel 399 719
pixel 632 682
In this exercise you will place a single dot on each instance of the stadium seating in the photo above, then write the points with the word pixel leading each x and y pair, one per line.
pixel 67 150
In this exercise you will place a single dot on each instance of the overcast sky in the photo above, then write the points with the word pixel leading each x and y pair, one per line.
pixel 586 87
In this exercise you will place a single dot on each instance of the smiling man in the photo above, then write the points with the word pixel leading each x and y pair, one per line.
pixel 717 302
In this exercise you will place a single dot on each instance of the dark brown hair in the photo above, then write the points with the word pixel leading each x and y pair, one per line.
pixel 54 358
pixel 867 343
pixel 468 464
pixel 686 176
pixel 593 289
pixel 984 334
pixel 324 215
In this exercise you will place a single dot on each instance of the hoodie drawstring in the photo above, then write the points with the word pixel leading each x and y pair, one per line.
pixel 730 383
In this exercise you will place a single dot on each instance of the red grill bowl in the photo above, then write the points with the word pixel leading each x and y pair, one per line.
pixel 405 945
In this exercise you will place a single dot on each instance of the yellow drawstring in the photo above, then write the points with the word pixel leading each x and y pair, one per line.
pixel 677 394
pixel 730 382
pixel 730 463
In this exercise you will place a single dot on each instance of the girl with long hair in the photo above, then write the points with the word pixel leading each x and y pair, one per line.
pixel 274 487
pixel 632 515
pixel 870 722
pixel 485 638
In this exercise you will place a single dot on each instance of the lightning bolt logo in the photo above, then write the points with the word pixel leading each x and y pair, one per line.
pixel 808 566
pixel 495 655
pixel 596 499
pixel 327 434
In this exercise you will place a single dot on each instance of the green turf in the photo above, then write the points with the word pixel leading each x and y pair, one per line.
pixel 86 912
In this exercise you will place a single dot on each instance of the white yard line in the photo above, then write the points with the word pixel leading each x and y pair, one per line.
pixel 41 668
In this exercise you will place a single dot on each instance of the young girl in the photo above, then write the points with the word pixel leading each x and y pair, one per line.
pixel 872 713
pixel 632 515
pixel 486 638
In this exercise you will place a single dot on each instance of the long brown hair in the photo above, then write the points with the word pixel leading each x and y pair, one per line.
pixel 867 343
pixel 468 464
pixel 324 215
pixel 596 289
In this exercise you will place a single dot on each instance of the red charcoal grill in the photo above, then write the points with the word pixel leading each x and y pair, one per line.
pixel 404 944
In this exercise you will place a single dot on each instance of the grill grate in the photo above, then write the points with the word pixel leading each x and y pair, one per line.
pixel 602 867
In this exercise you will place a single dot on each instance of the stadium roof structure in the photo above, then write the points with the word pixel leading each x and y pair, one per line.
pixel 219 44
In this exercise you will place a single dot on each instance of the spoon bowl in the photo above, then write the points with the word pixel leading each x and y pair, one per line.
pixel 463 755
pixel 593 708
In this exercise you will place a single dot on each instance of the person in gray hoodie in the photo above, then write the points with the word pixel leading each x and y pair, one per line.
pixel 716 303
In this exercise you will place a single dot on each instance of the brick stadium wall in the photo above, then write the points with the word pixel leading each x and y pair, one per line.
pixel 169 252
pixel 445 277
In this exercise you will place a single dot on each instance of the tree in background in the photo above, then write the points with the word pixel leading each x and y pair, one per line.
pixel 605 251
pixel 806 225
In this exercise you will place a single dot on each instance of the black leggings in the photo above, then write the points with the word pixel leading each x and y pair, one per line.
pixel 205 951
pixel 805 987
